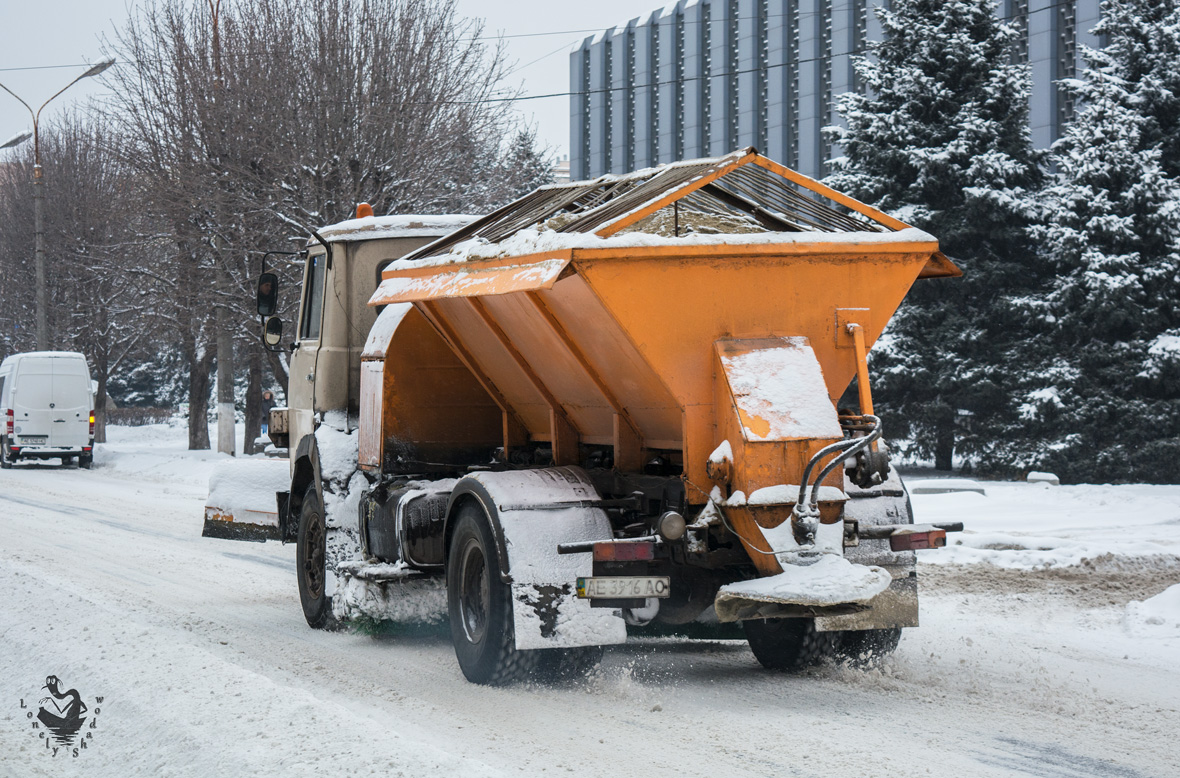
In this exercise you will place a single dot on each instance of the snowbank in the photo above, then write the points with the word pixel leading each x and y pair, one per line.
pixel 1037 526
pixel 1157 616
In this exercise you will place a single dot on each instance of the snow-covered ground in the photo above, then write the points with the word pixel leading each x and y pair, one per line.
pixel 1049 646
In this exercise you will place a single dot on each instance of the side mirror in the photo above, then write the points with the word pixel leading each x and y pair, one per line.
pixel 268 295
pixel 272 333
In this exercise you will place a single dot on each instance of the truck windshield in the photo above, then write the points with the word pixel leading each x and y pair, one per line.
pixel 313 298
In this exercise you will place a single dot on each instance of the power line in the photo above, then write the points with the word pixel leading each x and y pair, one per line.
pixel 607 90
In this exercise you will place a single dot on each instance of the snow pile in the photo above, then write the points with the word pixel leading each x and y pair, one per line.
pixel 407 226
pixel 1157 616
pixel 536 241
pixel 402 594
pixel 780 392
pixel 244 488
pixel 832 580
pixel 337 448
pixel 158 453
pixel 1038 526
pixel 787 494
pixel 723 453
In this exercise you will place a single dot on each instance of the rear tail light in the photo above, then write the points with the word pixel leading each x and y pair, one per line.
pixel 8 423
pixel 912 541
pixel 92 424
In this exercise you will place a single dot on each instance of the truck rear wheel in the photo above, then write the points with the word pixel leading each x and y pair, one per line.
pixel 310 562
pixel 789 644
pixel 480 605
pixel 5 462
pixel 567 664
pixel 866 647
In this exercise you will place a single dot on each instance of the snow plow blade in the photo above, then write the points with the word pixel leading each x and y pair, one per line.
pixel 243 502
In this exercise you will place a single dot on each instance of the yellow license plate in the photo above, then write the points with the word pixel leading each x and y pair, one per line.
pixel 623 588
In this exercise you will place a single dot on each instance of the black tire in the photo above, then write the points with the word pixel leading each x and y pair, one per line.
pixel 567 664
pixel 310 562
pixel 789 644
pixel 67 461
pixel 5 462
pixel 480 605
pixel 867 647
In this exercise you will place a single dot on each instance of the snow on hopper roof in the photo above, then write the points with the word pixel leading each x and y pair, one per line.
pixel 741 193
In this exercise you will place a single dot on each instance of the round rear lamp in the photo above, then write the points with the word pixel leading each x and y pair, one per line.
pixel 670 526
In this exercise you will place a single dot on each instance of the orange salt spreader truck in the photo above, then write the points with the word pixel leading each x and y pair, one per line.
pixel 611 405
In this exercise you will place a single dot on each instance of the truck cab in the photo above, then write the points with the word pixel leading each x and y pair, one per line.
pixel 333 321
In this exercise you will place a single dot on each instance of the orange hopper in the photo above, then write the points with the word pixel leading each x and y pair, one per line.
pixel 656 317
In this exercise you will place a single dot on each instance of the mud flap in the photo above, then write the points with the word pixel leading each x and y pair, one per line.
pixel 897 606
pixel 545 607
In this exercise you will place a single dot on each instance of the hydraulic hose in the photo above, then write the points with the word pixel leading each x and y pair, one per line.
pixel 833 448
pixel 860 445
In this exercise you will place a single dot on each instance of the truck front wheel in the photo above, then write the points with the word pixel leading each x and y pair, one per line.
pixel 789 644
pixel 310 562
pixel 480 605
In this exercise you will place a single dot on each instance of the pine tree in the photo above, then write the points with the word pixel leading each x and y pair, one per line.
pixel 1106 402
pixel 940 139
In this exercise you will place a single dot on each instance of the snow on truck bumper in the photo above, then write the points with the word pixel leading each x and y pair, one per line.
pixel 242 504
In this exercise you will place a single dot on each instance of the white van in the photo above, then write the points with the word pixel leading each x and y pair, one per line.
pixel 47 407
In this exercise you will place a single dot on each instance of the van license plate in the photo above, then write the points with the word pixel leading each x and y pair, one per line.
pixel 29 440
pixel 621 588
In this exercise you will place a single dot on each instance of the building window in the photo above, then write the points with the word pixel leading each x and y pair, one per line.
pixel 678 87
pixel 860 34
pixel 1018 16
pixel 732 67
pixel 629 79
pixel 825 89
pixel 706 78
pixel 584 173
pixel 793 82
pixel 1067 43
pixel 653 68
pixel 760 139
pixel 608 99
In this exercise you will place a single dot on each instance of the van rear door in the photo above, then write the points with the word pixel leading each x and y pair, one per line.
pixel 30 401
pixel 70 425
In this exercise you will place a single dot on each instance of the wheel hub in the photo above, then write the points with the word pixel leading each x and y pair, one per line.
pixel 475 592
pixel 313 567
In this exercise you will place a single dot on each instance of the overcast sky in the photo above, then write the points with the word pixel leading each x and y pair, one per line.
pixel 68 32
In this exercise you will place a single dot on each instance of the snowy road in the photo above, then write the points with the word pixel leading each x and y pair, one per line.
pixel 199 650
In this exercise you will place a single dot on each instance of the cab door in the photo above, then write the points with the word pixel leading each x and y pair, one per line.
pixel 304 361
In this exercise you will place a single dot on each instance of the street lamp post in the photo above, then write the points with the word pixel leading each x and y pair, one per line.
pixel 39 197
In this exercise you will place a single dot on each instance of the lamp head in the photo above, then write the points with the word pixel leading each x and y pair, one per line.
pixel 98 67
pixel 16 140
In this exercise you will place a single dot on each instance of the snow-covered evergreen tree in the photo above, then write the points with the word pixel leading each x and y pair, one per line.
pixel 1105 403
pixel 940 139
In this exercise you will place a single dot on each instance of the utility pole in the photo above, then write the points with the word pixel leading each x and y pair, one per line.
pixel 226 441
pixel 44 341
